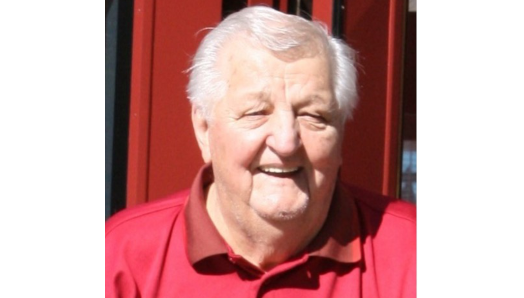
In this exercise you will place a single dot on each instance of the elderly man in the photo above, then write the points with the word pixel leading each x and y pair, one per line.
pixel 266 216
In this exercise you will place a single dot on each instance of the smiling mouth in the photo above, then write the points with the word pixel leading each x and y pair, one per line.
pixel 279 171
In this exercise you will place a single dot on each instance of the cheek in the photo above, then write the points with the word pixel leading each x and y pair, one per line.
pixel 324 152
pixel 234 146
pixel 325 159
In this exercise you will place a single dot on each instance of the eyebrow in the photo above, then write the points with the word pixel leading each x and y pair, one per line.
pixel 316 99
pixel 264 97
pixel 256 97
pixel 260 95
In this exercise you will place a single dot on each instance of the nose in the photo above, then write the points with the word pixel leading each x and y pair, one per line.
pixel 284 137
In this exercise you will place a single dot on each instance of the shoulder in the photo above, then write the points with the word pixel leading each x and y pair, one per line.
pixel 379 205
pixel 148 216
pixel 143 231
pixel 384 218
pixel 136 237
pixel 388 234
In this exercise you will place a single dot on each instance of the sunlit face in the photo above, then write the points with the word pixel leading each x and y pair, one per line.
pixel 274 140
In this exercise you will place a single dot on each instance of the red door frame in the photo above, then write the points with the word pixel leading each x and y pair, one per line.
pixel 372 145
pixel 163 154
pixel 140 102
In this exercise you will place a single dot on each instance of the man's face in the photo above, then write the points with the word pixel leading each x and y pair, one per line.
pixel 274 140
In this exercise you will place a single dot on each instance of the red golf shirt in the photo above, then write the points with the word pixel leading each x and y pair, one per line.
pixel 170 248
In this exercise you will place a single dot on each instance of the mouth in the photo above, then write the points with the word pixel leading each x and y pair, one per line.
pixel 280 171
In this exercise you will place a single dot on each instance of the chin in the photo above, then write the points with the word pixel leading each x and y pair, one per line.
pixel 278 213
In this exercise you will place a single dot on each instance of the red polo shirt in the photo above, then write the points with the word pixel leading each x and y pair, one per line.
pixel 170 248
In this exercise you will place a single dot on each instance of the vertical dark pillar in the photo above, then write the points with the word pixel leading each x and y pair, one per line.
pixel 117 89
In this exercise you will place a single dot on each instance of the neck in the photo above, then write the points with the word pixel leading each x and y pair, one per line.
pixel 262 242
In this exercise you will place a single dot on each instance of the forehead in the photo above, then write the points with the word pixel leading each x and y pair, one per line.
pixel 243 64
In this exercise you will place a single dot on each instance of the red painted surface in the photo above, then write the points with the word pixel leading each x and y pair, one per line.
pixel 163 154
pixel 283 5
pixel 260 2
pixel 174 154
pixel 371 145
pixel 392 137
pixel 139 120
pixel 323 11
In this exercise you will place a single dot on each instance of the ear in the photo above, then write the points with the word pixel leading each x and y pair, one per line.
pixel 201 128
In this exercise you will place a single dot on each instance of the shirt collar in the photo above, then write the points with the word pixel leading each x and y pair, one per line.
pixel 339 238
pixel 203 239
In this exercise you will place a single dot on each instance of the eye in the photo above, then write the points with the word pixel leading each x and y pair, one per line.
pixel 313 121
pixel 255 116
pixel 256 113
pixel 316 118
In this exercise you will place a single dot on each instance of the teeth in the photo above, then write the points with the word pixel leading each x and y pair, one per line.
pixel 276 170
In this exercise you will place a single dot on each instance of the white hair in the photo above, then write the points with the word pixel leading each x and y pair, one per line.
pixel 280 33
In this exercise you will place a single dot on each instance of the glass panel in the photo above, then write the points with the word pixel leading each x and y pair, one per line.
pixel 409 171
